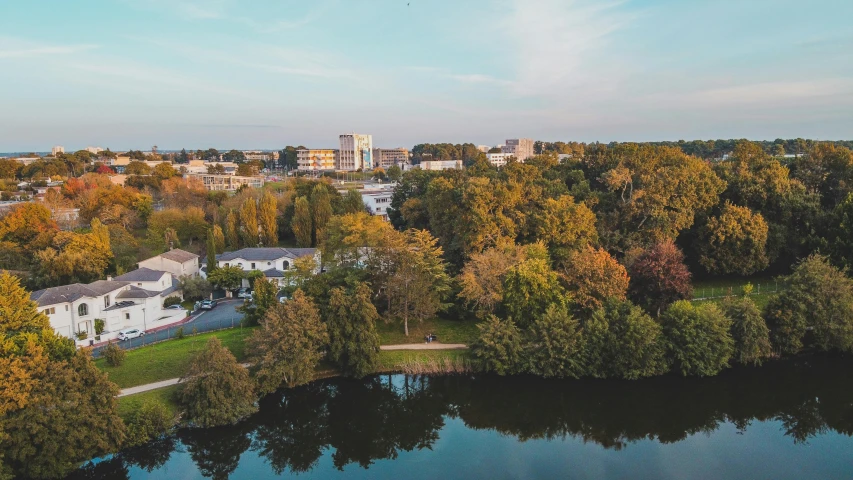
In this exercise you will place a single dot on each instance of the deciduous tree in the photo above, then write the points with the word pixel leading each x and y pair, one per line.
pixel 229 277
pixel 734 242
pixel 749 330
pixel 267 212
pixel 321 209
pixel 659 277
pixel 232 231
pixel 302 225
pixel 353 339
pixel 697 338
pixel 249 223
pixel 591 276
pixel 529 288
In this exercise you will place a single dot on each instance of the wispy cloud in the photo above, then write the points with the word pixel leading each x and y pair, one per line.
pixel 770 94
pixel 9 50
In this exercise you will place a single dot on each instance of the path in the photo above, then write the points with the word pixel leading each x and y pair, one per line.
pixel 425 346
pixel 149 386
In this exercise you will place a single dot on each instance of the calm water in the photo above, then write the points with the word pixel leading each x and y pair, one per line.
pixel 792 419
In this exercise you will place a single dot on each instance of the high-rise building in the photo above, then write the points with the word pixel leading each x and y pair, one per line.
pixel 312 160
pixel 95 150
pixel 520 148
pixel 386 157
pixel 356 152
pixel 57 149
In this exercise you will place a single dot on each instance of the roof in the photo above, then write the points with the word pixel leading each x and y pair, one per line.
pixel 70 293
pixel 266 254
pixel 136 292
pixel 273 273
pixel 178 255
pixel 119 305
pixel 141 275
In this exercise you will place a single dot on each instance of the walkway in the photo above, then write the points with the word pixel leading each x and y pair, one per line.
pixel 425 346
pixel 149 386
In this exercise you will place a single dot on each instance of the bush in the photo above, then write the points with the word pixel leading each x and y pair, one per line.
pixel 179 333
pixel 99 326
pixel 151 421
pixel 171 301
pixel 114 355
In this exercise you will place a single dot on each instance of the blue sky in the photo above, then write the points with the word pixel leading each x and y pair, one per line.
pixel 264 74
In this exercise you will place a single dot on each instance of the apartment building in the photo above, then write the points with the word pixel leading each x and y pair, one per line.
pixel 377 199
pixel 440 164
pixel 57 150
pixel 356 152
pixel 228 183
pixel 315 160
pixel 499 159
pixel 386 157
pixel 520 148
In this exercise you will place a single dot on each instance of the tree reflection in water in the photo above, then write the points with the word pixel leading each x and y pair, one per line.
pixel 376 418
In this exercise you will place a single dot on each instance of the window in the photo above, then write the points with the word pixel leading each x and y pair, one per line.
pixel 83 309
pixel 285 265
pixel 106 301
pixel 66 308
pixel 139 284
pixel 253 266
pixel 49 311
pixel 269 263
pixel 127 316
pixel 226 264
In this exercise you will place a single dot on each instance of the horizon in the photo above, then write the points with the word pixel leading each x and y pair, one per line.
pixel 134 73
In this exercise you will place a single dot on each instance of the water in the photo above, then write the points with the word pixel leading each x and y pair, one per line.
pixel 791 419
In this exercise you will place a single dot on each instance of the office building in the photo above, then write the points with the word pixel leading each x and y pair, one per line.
pixel 440 164
pixel 520 148
pixel 316 160
pixel 356 152
pixel 386 157
pixel 57 150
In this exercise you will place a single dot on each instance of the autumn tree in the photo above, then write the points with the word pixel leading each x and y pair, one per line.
pixel 264 297
pixel 565 226
pixel 289 344
pixel 482 277
pixel 211 251
pixel 75 257
pixel 622 341
pixel 302 225
pixel 734 242
pixel 554 345
pixel 321 209
pixel 353 339
pixel 217 389
pixel 659 277
pixel 749 330
pixel 249 223
pixel 267 213
pixel 137 168
pixel 591 276
pixel 164 171
pixel 697 338
pixel 499 346
pixel 232 231
pixel 218 239
pixel 150 422
pixel 529 288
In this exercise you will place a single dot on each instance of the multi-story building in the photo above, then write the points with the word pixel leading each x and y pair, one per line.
pixel 95 150
pixel 229 183
pixel 315 160
pixel 273 262
pixel 521 148
pixel 57 149
pixel 440 164
pixel 378 199
pixel 261 156
pixel 176 261
pixel 499 159
pixel 386 157
pixel 356 152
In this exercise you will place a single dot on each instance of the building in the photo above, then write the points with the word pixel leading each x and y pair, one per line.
pixel 377 199
pixel 499 159
pixel 260 156
pixel 386 157
pixel 273 262
pixel 315 160
pixel 203 167
pixel 228 183
pixel 521 148
pixel 440 164
pixel 484 148
pixel 152 280
pixel 56 150
pixel 176 261
pixel 95 150
pixel 356 152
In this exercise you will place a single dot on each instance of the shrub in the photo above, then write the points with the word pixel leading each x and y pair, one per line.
pixel 114 355
pixel 99 326
pixel 171 301
pixel 179 333
pixel 151 421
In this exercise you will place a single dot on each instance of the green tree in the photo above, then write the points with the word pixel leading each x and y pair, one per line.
pixel 229 277
pixel 150 422
pixel 353 339
pixel 482 277
pixel 697 338
pixel 232 231
pixel 114 355
pixel 565 226
pixel 164 171
pixel 352 202
pixel 749 330
pixel 211 251
pixel 659 277
pixel 249 222
pixel 394 173
pixel 554 345
pixel 264 297
pixel 321 209
pixel 622 341
pixel 529 288
pixel 734 242
pixel 137 168
pixel 289 344
pixel 301 223
pixel 195 288
pixel 499 346
pixel 819 298
pixel 267 213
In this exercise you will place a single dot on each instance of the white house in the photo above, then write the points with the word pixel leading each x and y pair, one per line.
pixel 152 280
pixel 273 262
pixel 176 261
pixel 73 309
pixel 377 200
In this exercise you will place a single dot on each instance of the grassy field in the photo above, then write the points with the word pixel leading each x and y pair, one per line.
pixel 764 288
pixel 169 359
pixel 393 360
pixel 448 331
pixel 127 406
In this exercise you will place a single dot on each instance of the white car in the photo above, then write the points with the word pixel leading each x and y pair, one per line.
pixel 244 293
pixel 130 333
pixel 174 307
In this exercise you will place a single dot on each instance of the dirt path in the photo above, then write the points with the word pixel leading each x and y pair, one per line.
pixel 149 386
pixel 425 346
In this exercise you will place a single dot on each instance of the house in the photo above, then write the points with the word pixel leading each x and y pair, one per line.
pixel 176 261
pixel 273 262
pixel 74 309
pixel 152 280
pixel 378 199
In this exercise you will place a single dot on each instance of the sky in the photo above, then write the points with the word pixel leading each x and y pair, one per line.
pixel 268 73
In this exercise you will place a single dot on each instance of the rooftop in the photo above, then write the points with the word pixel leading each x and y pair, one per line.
pixel 266 254
pixel 178 255
pixel 70 293
pixel 141 275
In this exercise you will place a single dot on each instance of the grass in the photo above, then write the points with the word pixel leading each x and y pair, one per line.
pixel 169 359
pixel 127 406
pixel 448 331
pixel 720 287
pixel 396 360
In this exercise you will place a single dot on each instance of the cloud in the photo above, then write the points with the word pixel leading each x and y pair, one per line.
pixel 770 94
pixel 13 49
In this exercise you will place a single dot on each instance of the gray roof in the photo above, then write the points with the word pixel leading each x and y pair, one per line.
pixel 70 293
pixel 178 255
pixel 120 305
pixel 141 275
pixel 273 273
pixel 136 292
pixel 266 254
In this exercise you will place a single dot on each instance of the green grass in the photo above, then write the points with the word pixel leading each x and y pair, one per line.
pixel 128 405
pixel 169 359
pixel 448 331
pixel 722 286
pixel 390 360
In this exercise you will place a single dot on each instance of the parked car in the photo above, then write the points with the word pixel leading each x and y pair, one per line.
pixel 175 307
pixel 208 304
pixel 130 333
pixel 244 293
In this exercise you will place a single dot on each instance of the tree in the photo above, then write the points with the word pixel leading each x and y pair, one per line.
pixel 150 422
pixel 249 222
pixel 229 277
pixel 565 226
pixel 217 389
pixel 418 280
pixel 216 169
pixel 353 339
pixel 246 170
pixel 697 338
pixel 218 239
pixel 529 288
pixel 622 341
pixel 164 171
pixel 137 168
pixel 264 297
pixel 499 346
pixel 394 173
pixel 734 242
pixel 819 298
pixel 482 277
pixel 267 212
pixel 321 209
pixel 289 344
pixel 232 231
pixel 195 288
pixel 659 277
pixel 75 256
pixel 114 355
pixel 591 276
pixel 211 251
pixel 301 223
pixel 749 330
pixel 352 202
pixel 554 346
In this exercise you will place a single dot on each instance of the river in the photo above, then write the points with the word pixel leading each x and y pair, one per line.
pixel 789 419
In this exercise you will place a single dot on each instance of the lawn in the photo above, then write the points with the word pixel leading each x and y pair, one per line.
pixel 714 290
pixel 169 359
pixel 127 406
pixel 392 360
pixel 448 331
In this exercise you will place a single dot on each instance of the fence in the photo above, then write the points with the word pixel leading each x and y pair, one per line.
pixel 708 293
pixel 202 325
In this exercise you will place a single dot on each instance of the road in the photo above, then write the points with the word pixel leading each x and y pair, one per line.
pixel 223 316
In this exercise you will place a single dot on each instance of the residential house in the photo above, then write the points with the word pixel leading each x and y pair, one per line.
pixel 176 261
pixel 153 280
pixel 273 262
